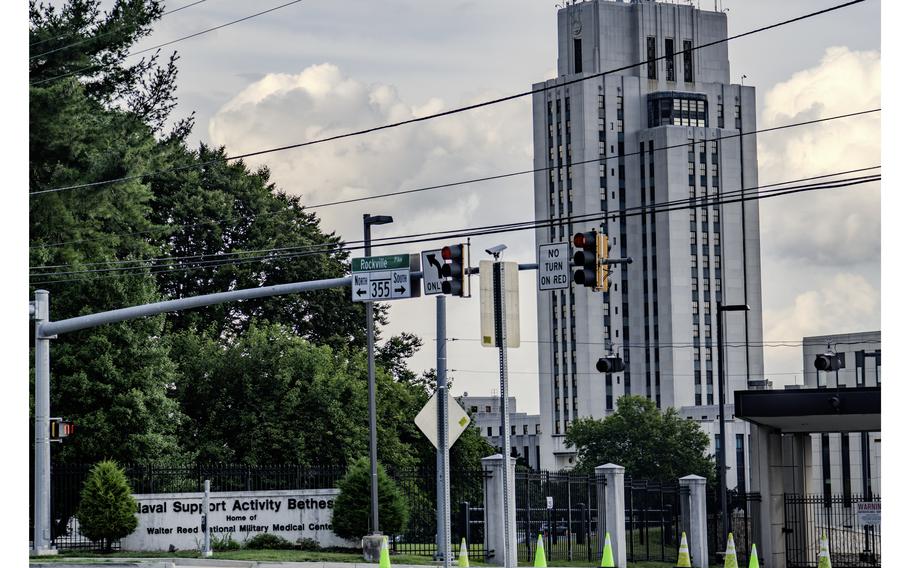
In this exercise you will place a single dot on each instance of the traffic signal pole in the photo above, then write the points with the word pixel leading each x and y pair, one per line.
pixel 443 503
pixel 41 539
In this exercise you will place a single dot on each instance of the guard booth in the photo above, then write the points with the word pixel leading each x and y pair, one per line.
pixel 790 520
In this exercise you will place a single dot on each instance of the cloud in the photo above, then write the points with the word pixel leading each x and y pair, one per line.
pixel 846 303
pixel 322 101
pixel 828 226
pixel 821 251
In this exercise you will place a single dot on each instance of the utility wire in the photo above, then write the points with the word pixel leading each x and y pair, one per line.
pixel 476 180
pixel 221 256
pixel 491 229
pixel 199 33
pixel 378 240
pixel 105 34
pixel 672 345
pixel 68 34
pixel 468 107
pixel 475 232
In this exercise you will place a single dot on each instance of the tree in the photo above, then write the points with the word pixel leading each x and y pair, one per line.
pixel 648 443
pixel 107 510
pixel 351 516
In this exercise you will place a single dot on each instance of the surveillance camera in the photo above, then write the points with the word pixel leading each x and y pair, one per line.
pixel 495 250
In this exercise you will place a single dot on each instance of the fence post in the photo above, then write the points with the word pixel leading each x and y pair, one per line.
pixel 494 523
pixel 695 519
pixel 611 508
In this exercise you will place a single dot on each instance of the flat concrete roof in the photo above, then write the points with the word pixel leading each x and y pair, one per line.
pixel 812 410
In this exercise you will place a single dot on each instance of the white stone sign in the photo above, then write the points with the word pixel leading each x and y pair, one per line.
pixel 175 519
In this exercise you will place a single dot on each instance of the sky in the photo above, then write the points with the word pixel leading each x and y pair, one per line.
pixel 315 69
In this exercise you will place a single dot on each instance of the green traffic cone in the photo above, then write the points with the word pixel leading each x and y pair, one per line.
pixel 540 558
pixel 683 560
pixel 384 561
pixel 607 560
pixel 753 558
pixel 463 555
pixel 730 554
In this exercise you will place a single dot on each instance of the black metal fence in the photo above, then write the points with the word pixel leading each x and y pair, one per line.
pixel 561 507
pixel 808 517
pixel 741 509
pixel 418 487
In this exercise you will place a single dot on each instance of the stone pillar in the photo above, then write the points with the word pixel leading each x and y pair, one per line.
pixel 494 512
pixel 611 508
pixel 695 519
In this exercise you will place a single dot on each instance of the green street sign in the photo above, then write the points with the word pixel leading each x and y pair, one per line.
pixel 389 262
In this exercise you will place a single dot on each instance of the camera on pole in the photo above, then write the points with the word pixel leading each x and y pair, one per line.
pixel 611 364
pixel 455 269
pixel 828 361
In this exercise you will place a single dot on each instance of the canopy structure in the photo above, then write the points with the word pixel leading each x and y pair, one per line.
pixel 812 410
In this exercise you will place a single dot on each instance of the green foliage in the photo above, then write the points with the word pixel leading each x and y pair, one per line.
pixel 648 443
pixel 226 542
pixel 309 544
pixel 107 510
pixel 351 514
pixel 269 541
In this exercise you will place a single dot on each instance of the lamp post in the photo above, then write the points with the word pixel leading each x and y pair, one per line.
pixel 368 221
pixel 722 457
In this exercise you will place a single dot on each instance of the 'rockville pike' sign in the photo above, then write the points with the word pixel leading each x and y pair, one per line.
pixel 175 519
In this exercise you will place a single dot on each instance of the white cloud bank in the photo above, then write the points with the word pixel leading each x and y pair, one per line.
pixel 821 250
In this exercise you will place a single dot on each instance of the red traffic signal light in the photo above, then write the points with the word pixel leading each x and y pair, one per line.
pixel 456 270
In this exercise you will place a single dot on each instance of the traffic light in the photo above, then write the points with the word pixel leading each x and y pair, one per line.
pixel 603 269
pixel 828 361
pixel 611 364
pixel 586 259
pixel 457 264
pixel 60 429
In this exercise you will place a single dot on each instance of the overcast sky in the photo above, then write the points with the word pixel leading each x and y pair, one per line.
pixel 321 68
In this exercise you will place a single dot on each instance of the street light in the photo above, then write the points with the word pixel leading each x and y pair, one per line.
pixel 722 459
pixel 368 221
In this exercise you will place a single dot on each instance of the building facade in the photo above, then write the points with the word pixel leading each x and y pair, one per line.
pixel 642 152
pixel 845 463
pixel 525 428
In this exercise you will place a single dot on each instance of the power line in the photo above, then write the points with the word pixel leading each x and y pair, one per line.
pixel 340 246
pixel 472 106
pixel 68 34
pixel 378 240
pixel 672 345
pixel 105 34
pixel 199 33
pixel 493 229
pixel 475 180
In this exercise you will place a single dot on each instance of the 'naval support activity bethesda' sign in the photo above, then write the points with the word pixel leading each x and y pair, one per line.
pixel 175 519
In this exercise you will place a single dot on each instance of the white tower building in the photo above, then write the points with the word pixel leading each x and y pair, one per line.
pixel 601 130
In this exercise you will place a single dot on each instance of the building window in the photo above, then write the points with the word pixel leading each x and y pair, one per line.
pixel 669 50
pixel 860 368
pixel 578 55
pixel 473 409
pixel 687 61
pixel 652 63
pixel 740 463
pixel 489 431
pixel 845 466
pixel 524 428
pixel 826 470
pixel 489 409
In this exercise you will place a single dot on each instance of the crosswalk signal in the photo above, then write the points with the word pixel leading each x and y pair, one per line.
pixel 455 269
pixel 586 259
pixel 60 428
pixel 611 364
pixel 828 361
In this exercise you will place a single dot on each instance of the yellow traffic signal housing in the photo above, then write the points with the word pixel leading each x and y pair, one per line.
pixel 603 269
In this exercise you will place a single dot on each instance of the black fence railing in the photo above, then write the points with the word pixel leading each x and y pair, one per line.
pixel 850 543
pixel 741 509
pixel 561 507
pixel 418 487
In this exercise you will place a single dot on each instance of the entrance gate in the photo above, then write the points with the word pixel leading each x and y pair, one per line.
pixel 850 544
